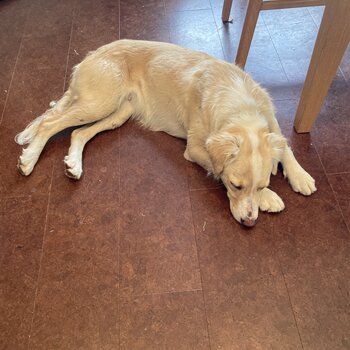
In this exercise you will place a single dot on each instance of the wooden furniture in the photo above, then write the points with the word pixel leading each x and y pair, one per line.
pixel 332 40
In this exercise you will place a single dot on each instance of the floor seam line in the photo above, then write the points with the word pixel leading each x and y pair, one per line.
pixel 41 257
pixel 14 68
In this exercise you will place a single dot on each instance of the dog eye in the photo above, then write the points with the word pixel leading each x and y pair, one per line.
pixel 260 188
pixel 238 188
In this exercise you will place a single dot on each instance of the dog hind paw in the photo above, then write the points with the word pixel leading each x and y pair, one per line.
pixel 23 169
pixel 73 168
pixel 24 137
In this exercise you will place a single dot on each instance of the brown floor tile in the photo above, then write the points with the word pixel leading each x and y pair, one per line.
pixel 196 30
pixel 12 21
pixel 341 186
pixel 77 302
pixel 198 178
pixel 150 18
pixel 223 242
pixel 183 5
pixel 335 156
pixel 253 315
pixel 38 79
pixel 321 306
pixel 167 321
pixel 158 262
pixel 129 248
pixel 49 17
pixel 288 29
pixel 153 185
pixel 89 33
pixel 22 225
pixel 158 252
pixel 26 102
pixel 313 246
pixel 332 139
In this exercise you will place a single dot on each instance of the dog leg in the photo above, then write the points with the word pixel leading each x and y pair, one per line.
pixel 298 178
pixel 81 136
pixel 198 154
pixel 47 128
pixel 270 201
pixel 28 134
pixel 54 123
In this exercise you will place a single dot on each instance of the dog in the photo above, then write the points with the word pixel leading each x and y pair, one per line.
pixel 227 119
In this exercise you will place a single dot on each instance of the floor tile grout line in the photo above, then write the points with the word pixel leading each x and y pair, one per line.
pixel 217 32
pixel 200 270
pixel 49 192
pixel 286 285
pixel 193 228
pixel 291 305
pixel 134 296
pixel 69 44
pixel 279 58
pixel 15 66
pixel 330 184
pixel 41 257
pixel 338 173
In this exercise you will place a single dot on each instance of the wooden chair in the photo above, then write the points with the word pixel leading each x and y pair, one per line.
pixel 332 40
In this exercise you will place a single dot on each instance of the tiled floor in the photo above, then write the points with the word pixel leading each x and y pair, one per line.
pixel 143 253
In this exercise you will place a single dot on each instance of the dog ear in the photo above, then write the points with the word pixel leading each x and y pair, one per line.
pixel 278 144
pixel 221 147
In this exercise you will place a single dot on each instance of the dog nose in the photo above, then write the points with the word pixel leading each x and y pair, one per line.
pixel 248 222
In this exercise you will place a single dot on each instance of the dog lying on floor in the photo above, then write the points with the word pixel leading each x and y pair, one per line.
pixel 227 118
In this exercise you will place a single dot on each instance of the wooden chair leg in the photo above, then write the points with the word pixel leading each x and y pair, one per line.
pixel 226 10
pixel 250 20
pixel 331 43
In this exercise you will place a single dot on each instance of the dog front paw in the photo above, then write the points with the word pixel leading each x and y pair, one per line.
pixel 301 181
pixel 187 156
pixel 270 201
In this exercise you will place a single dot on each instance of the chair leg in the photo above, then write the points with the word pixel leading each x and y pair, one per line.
pixel 331 43
pixel 226 10
pixel 251 17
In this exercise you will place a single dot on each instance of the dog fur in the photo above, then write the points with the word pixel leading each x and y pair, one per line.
pixel 227 118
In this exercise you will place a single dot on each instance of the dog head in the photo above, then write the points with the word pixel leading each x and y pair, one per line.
pixel 243 158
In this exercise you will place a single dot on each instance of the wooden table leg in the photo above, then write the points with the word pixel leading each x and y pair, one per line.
pixel 249 25
pixel 226 10
pixel 331 43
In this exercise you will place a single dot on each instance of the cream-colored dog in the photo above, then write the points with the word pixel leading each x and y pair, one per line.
pixel 227 118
